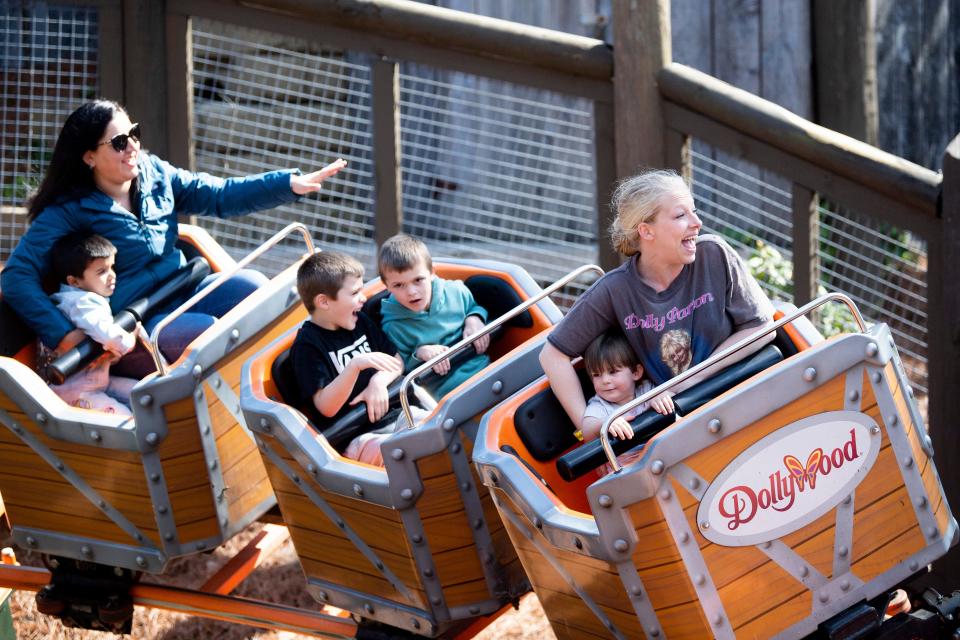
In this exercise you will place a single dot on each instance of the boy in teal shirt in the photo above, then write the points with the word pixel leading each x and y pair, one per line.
pixel 424 315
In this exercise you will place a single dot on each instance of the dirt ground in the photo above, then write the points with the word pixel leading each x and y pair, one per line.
pixel 279 579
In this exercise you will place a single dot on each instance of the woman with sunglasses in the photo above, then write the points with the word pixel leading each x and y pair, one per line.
pixel 100 180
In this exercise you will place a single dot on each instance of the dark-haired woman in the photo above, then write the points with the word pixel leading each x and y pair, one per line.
pixel 100 180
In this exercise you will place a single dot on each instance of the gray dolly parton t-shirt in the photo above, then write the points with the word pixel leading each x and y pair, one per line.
pixel 713 297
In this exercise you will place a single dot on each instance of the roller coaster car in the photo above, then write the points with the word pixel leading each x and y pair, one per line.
pixel 415 545
pixel 181 476
pixel 791 503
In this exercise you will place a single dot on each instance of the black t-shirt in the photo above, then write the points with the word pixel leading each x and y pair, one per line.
pixel 319 355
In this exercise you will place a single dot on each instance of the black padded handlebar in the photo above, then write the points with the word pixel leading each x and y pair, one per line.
pixel 590 455
pixel 186 279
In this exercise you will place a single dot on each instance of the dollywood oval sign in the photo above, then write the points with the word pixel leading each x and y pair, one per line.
pixel 789 478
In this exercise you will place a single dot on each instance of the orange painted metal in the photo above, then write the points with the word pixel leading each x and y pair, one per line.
pixel 246 560
pixel 207 605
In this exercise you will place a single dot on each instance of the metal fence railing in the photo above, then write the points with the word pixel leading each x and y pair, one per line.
pixel 48 65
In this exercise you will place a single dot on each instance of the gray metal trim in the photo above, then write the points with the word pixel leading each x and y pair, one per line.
pixel 843 536
pixel 335 518
pixel 375 607
pixel 81 548
pixel 57 419
pixel 835 589
pixel 229 399
pixel 507 513
pixel 160 496
pixel 423 557
pixel 920 502
pixel 208 441
pixel 71 476
pixel 695 565
pixel 642 606
pixel 853 391
pixel 883 335
pixel 691 481
pixel 794 564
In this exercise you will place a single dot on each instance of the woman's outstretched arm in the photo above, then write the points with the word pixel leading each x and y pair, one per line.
pixel 564 382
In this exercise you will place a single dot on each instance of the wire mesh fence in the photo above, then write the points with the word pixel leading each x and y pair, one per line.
pixel 882 268
pixel 48 66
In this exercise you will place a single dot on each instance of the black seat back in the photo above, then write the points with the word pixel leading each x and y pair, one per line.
pixel 498 297
pixel 543 425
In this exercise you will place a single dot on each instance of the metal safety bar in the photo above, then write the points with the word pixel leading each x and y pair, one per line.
pixel 464 342
pixel 713 359
pixel 224 276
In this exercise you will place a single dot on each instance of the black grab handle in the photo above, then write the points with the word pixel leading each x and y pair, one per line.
pixel 590 455
pixel 89 349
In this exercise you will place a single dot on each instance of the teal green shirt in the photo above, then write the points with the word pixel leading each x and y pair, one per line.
pixel 442 323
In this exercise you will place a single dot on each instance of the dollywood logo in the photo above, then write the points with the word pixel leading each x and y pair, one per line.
pixel 789 478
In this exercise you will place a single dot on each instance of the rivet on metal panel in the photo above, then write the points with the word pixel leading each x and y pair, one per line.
pixel 118 571
pixel 60 466
pixel 455 447
pixel 893 419
pixel 704 525
pixel 872 349
pixel 843 551
pixel 466 486
pixel 31 541
pixel 265 424
pixel 201 546
pixel 766 545
pixel 714 425
pixel 809 374
pixel 358 490
pixel 605 501
pixel 488 558
pixel 922 502
pixel 890 342
pixel 146 400
pixel 538 523
pixel 497 387
pixel 141 562
pixel 718 620
pixel 101 503
pixel 620 545
pixel 414 623
pixel 656 467
pixel 474 610
pixel 654 632
pixel 17 429
pixel 684 538
pixel 162 509
pixel 824 597
pixel 847 501
pixel 854 395
pixel 933 532
pixel 397 454
pixel 908 462
pixel 379 565
pixel 909 391
pixel 206 430
pixel 494 479
pixel 407 494
pixel 845 585
pixel 197 371
pixel 168 536
pixel 198 394
pixel 235 334
pixel 428 572
pixel 578 543
pixel 154 477
pixel 152 438
pixel 341 523
pixel 216 383
pixel 665 494
pixel 86 551
pixel 876 377
pixel 139 537
pixel 324 596
pixel 636 590
pixel 449 424
pixel 224 522
pixel 700 579
pixel 874 429
pixel 804 571
pixel 213 465
pixel 417 538
pixel 95 435
pixel 928 442
pixel 478 523
pixel 914 565
pixel 41 418
pixel 436 600
pixel 694 483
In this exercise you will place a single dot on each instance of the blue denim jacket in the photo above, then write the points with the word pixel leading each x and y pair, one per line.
pixel 146 244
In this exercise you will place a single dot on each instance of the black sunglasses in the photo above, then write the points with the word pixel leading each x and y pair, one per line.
pixel 119 142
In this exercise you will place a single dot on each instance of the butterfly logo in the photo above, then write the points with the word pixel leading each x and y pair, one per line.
pixel 803 473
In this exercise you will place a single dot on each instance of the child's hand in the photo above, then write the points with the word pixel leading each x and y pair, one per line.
pixel 376 360
pixel 472 325
pixel 377 399
pixel 430 351
pixel 621 429
pixel 663 403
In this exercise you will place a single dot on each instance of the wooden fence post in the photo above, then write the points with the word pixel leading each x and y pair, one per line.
pixel 641 47
pixel 806 239
pixel 388 207
pixel 944 341
pixel 144 69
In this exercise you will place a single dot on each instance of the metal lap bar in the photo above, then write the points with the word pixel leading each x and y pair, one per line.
pixel 224 276
pixel 713 359
pixel 257 613
pixel 464 342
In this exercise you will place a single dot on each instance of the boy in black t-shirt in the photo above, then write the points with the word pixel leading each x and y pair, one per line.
pixel 341 357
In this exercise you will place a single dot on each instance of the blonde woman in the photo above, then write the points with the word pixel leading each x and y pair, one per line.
pixel 678 298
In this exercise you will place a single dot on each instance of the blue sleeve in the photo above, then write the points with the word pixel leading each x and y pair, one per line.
pixel 204 194
pixel 22 277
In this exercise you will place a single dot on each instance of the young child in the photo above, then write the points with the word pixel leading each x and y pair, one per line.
pixel 84 264
pixel 340 356
pixel 424 315
pixel 617 377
